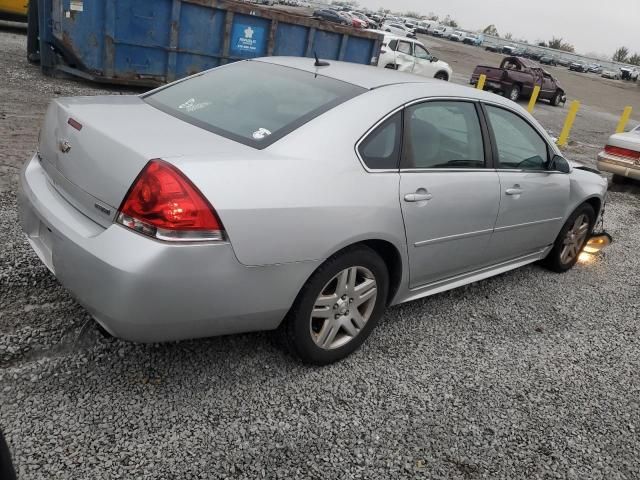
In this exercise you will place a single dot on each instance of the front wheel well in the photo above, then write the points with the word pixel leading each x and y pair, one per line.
pixel 596 203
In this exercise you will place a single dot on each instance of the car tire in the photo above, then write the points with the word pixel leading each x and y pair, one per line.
pixel 513 93
pixel 557 99
pixel 305 333
pixel 571 240
pixel 442 76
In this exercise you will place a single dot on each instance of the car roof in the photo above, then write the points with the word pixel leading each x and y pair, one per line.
pixel 364 76
pixel 370 77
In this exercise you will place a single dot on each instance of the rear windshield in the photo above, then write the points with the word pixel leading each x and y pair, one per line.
pixel 252 102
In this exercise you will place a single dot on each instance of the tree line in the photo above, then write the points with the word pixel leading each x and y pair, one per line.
pixel 623 55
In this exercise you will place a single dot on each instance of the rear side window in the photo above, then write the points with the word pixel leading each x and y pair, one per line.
pixel 381 148
pixel 252 102
pixel 405 47
pixel 443 135
pixel 519 145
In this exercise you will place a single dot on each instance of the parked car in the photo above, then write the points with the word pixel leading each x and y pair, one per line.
pixel 549 60
pixel 594 68
pixel 353 20
pixel 407 55
pixel 621 155
pixel 14 10
pixel 442 31
pixel 473 39
pixel 534 55
pixel 563 62
pixel 367 23
pixel 508 49
pixel 331 16
pixel 425 26
pixel 517 77
pixel 578 67
pixel 612 74
pixel 277 196
pixel 520 52
pixel 629 73
pixel 398 29
pixel 493 48
pixel 457 36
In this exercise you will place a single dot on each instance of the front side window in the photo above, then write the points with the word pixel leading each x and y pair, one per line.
pixel 443 135
pixel 381 148
pixel 421 53
pixel 404 47
pixel 519 145
pixel 252 102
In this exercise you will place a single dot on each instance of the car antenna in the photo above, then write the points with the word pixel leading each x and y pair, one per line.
pixel 320 63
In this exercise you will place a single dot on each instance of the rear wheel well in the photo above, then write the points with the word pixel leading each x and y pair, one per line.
pixel 391 256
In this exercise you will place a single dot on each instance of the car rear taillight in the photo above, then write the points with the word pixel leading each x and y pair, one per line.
pixel 164 204
pixel 622 152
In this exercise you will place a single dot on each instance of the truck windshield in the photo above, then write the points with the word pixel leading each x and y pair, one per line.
pixel 252 102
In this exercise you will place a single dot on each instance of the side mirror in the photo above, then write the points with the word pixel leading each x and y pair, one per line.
pixel 434 59
pixel 559 164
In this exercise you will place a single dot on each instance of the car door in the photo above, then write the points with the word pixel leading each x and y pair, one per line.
pixel 533 199
pixel 449 198
pixel 422 62
pixel 548 89
pixel 404 56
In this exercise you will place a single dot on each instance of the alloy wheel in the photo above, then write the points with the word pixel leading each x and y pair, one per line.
pixel 574 240
pixel 343 308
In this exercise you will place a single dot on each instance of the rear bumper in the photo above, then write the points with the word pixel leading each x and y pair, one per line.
pixel 144 290
pixel 618 166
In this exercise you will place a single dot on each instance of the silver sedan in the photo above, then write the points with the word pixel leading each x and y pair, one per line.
pixel 283 193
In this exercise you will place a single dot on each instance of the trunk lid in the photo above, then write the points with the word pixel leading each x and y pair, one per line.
pixel 94 163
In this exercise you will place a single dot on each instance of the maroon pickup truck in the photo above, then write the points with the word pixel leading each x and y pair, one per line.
pixel 517 77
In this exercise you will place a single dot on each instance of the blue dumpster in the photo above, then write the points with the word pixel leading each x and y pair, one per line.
pixel 151 42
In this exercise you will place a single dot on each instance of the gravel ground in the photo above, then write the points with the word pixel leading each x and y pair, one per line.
pixel 525 375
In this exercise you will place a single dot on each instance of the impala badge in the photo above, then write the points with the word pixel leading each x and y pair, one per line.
pixel 65 146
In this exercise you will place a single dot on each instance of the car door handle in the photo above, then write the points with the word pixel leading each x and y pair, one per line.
pixel 514 191
pixel 418 197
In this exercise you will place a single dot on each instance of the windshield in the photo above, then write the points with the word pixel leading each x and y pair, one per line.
pixel 252 102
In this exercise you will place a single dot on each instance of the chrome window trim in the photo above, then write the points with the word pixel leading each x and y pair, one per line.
pixel 448 170
pixel 366 135
pixel 543 135
pixel 445 170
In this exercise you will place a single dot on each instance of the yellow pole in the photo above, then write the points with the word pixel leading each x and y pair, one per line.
pixel 481 80
pixel 626 115
pixel 568 124
pixel 534 98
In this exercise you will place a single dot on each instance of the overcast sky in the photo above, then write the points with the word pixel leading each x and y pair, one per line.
pixel 590 25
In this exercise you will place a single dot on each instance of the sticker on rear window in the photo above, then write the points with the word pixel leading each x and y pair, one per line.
pixel 191 105
pixel 261 133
